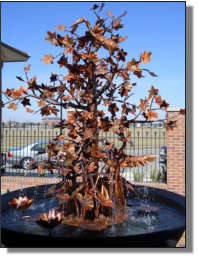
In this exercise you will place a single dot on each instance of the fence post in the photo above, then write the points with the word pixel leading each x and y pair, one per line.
pixel 176 154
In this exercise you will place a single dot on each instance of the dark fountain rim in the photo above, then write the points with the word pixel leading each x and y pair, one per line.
pixel 160 195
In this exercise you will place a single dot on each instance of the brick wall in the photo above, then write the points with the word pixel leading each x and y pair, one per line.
pixel 176 155
pixel 11 183
pixel 153 184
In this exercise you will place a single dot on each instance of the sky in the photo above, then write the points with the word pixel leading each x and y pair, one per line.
pixel 158 27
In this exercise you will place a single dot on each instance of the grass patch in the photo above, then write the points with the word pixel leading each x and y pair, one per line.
pixel 141 138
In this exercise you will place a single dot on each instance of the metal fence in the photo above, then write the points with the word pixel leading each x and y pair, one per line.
pixel 146 138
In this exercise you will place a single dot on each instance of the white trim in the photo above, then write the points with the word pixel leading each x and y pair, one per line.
pixel 173 109
pixel 73 109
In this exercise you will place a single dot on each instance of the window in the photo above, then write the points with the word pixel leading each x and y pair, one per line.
pixel 39 147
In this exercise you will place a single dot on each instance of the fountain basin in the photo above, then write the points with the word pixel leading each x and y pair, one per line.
pixel 163 229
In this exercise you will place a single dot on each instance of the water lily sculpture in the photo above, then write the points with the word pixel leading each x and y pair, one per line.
pixel 50 220
pixel 22 203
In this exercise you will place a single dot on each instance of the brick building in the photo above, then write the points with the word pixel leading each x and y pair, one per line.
pixel 50 121
pixel 176 148
pixel 70 111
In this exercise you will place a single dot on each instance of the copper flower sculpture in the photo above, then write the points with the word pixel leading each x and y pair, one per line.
pixel 22 203
pixel 50 220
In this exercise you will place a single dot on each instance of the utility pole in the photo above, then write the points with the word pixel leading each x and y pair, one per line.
pixel 61 116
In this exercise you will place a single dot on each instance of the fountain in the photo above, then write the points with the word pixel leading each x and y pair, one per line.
pixel 161 229
pixel 93 205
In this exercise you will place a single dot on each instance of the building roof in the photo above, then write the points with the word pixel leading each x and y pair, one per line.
pixel 51 118
pixel 11 54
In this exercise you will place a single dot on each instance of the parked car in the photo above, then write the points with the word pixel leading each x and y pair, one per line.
pixel 163 153
pixel 23 156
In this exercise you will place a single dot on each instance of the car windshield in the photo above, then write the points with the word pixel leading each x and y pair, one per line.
pixel 40 146
pixel 26 145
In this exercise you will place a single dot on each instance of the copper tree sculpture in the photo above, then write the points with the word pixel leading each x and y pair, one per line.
pixel 94 61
